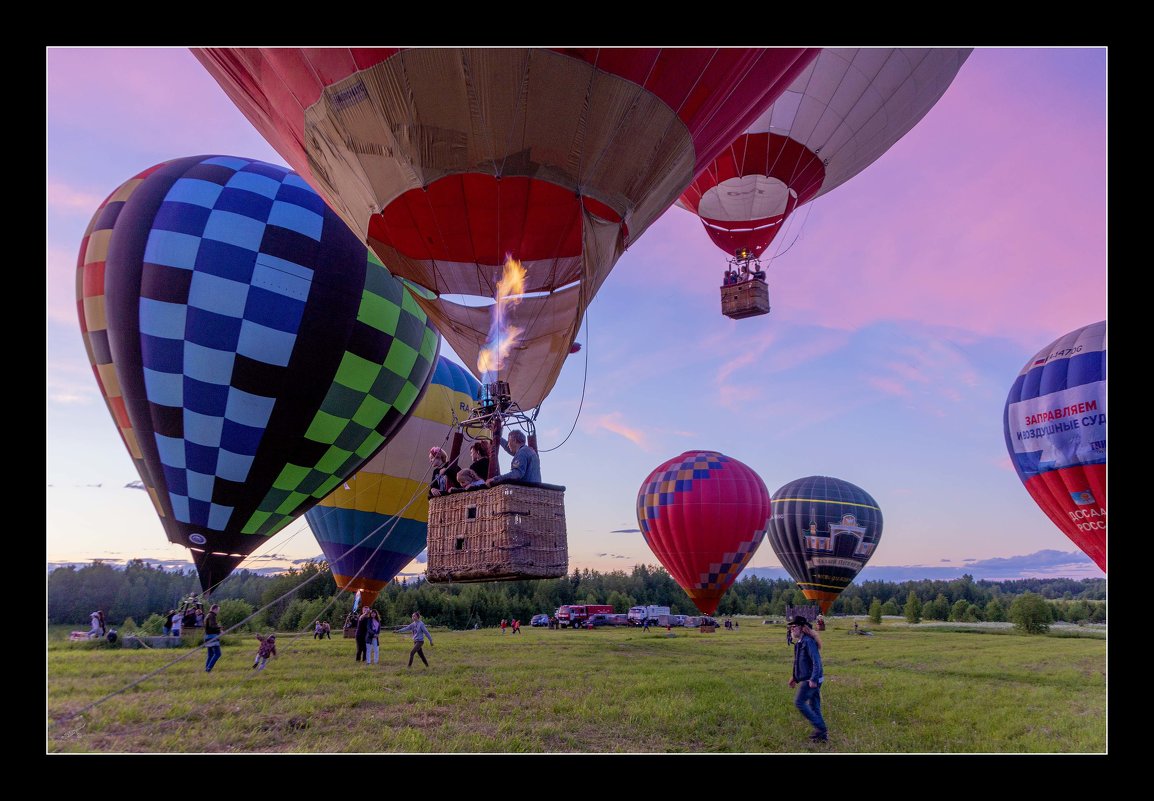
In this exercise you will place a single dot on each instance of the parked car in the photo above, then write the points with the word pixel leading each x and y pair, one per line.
pixel 539 620
pixel 598 620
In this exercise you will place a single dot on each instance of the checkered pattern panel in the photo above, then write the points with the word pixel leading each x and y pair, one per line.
pixel 371 393
pixel 662 488
pixel 90 303
pixel 722 574
pixel 211 295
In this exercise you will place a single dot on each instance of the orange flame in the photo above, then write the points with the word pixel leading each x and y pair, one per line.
pixel 502 335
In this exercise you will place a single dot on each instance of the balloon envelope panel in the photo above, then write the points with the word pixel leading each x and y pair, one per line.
pixel 252 351
pixel 842 113
pixel 823 531
pixel 447 161
pixel 377 522
pixel 703 514
pixel 1055 428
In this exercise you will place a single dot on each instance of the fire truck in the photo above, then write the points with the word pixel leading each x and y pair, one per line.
pixel 575 615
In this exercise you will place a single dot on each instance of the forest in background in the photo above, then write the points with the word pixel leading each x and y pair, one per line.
pixel 293 600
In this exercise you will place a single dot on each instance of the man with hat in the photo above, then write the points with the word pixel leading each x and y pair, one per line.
pixel 807 677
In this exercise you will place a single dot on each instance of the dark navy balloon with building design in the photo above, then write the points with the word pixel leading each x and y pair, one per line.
pixel 823 531
pixel 251 351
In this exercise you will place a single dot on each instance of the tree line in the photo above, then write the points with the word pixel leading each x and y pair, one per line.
pixel 293 600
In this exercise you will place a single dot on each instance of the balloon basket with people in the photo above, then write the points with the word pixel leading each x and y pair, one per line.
pixel 744 292
pixel 499 526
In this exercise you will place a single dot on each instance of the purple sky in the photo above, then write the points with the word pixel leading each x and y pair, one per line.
pixel 904 304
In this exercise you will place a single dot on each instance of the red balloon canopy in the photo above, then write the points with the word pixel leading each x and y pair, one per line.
pixel 845 110
pixel 703 514
pixel 449 161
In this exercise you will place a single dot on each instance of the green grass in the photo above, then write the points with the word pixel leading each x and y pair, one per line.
pixel 907 689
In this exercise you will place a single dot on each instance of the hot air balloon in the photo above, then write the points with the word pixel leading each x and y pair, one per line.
pixel 823 531
pixel 1055 426
pixel 703 514
pixel 450 162
pixel 252 353
pixel 374 524
pixel 846 109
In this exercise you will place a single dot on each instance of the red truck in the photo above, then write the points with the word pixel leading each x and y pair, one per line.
pixel 575 615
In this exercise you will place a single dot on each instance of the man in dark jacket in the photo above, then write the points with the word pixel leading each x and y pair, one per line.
pixel 362 634
pixel 807 677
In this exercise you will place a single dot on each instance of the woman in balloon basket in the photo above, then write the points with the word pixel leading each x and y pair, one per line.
pixel 444 474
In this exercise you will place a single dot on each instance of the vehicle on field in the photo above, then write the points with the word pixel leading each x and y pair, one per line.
pixel 539 620
pixel 575 615
pixel 639 614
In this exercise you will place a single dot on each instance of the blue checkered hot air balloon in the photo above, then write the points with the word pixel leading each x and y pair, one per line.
pixel 253 354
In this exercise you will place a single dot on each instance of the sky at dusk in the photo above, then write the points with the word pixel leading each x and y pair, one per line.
pixel 904 304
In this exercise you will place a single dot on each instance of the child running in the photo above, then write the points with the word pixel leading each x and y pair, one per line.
pixel 420 632
pixel 267 648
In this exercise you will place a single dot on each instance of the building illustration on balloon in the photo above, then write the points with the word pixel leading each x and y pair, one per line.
pixel 844 540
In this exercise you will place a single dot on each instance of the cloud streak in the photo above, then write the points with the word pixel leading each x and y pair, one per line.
pixel 614 424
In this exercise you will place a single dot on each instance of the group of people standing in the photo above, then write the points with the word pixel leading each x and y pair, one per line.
pixel 368 637
pixel 189 616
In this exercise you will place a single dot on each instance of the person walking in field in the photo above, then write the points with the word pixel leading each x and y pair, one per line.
pixel 420 633
pixel 211 637
pixel 807 677
pixel 267 649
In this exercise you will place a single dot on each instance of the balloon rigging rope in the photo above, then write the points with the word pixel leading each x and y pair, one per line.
pixel 584 383
pixel 394 520
pixel 801 230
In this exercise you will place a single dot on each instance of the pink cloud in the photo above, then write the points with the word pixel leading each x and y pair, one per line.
pixel 988 216
pixel 889 386
pixel 613 423
pixel 107 90
pixel 60 271
pixel 65 199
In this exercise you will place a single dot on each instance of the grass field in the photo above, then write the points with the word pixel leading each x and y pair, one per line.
pixel 906 689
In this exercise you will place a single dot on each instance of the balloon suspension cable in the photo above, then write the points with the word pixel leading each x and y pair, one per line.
pixel 800 230
pixel 584 384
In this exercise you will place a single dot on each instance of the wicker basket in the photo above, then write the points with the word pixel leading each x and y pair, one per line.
pixel 747 299
pixel 504 533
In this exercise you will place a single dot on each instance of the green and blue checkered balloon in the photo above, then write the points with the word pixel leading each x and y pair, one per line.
pixel 252 351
